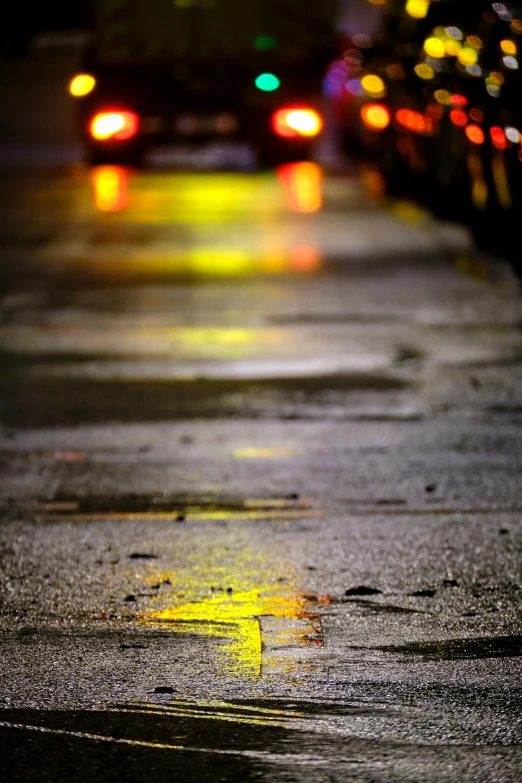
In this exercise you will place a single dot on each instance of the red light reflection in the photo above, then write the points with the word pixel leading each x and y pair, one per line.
pixel 305 258
pixel 302 185
pixel 110 188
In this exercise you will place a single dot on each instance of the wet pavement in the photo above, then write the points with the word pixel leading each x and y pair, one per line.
pixel 260 483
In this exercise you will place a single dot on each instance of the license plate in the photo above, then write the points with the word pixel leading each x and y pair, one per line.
pixel 193 124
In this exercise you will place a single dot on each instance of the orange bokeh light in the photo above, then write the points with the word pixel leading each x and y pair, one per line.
pixel 475 134
pixel 415 121
pixel 375 116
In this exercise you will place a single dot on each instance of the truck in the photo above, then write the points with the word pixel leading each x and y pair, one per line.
pixel 194 71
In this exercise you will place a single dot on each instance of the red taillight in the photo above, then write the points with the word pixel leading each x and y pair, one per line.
pixel 296 121
pixel 120 125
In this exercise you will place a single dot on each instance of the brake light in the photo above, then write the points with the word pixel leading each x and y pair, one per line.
pixel 375 116
pixel 120 125
pixel 293 122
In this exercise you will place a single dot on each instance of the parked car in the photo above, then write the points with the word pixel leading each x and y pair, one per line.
pixel 435 105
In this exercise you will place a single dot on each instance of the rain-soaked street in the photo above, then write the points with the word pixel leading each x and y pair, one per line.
pixel 260 464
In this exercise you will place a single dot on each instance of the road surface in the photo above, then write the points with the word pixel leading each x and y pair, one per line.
pixel 260 458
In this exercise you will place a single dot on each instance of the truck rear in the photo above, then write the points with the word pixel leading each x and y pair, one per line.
pixel 178 71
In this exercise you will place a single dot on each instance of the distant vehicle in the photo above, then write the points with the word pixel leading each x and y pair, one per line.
pixel 171 71
pixel 434 101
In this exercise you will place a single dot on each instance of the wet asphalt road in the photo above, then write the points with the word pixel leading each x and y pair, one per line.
pixel 260 484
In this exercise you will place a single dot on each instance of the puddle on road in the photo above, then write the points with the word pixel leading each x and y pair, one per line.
pixel 178 508
pixel 251 604
pixel 460 649
pixel 242 740
pixel 185 740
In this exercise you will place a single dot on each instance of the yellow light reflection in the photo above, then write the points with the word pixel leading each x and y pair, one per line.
pixel 203 199
pixel 225 594
pixel 501 181
pixel 302 183
pixel 110 188
pixel 224 342
pixel 269 452
pixel 220 261
pixel 479 187
pixel 214 210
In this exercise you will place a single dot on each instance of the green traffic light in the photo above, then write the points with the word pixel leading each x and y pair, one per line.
pixel 267 82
